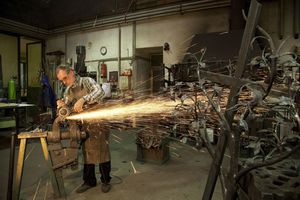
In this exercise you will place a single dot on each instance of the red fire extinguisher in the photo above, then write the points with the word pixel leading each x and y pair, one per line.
pixel 103 70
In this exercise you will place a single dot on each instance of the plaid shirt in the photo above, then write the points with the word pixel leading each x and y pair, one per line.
pixel 95 91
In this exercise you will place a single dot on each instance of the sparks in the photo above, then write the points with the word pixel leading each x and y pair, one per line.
pixel 134 170
pixel 139 108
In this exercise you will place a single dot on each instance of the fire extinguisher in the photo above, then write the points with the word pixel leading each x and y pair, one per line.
pixel 103 70
pixel 11 89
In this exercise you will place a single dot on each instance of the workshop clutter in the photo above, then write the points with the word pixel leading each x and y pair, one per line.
pixel 158 155
pixel 126 72
pixel 152 146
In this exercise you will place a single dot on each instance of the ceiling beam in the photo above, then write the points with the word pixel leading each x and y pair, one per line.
pixel 28 30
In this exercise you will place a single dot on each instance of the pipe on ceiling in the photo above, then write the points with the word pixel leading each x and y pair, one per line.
pixel 23 29
pixel 182 8
pixel 141 15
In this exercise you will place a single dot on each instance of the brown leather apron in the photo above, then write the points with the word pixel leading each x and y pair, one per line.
pixel 96 145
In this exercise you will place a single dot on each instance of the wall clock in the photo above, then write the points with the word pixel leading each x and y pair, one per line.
pixel 103 50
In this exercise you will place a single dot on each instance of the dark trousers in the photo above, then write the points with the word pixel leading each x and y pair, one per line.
pixel 89 176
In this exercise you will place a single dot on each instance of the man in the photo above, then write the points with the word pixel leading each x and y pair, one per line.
pixel 82 90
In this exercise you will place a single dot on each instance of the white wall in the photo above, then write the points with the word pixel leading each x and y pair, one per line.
pixel 108 38
pixel 126 41
pixel 149 33
pixel 178 31
pixel 94 40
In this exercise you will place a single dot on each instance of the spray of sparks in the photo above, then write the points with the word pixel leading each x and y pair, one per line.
pixel 121 111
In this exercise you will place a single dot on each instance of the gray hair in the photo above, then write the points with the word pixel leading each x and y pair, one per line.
pixel 63 67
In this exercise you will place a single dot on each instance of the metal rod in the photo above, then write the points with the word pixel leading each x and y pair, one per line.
pixel 19 71
pixel 12 156
pixel 133 63
pixel 233 138
pixel 119 51
pixel 108 59
pixel 11 166
pixel 296 18
pixel 214 172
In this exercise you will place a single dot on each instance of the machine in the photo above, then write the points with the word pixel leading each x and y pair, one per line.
pixel 58 155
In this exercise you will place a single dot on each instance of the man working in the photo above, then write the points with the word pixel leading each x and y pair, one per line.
pixel 82 90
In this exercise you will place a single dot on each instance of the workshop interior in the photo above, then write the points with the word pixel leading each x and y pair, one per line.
pixel 201 98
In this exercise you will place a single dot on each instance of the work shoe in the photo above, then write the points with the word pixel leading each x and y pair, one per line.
pixel 105 187
pixel 84 187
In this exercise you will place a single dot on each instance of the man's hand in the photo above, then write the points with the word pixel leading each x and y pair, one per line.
pixel 78 105
pixel 60 103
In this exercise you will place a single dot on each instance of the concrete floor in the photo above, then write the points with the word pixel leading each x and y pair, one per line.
pixel 182 177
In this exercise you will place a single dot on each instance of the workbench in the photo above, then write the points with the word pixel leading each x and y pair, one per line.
pixel 8 120
pixel 15 107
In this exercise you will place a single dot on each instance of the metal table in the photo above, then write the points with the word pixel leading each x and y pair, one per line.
pixel 15 107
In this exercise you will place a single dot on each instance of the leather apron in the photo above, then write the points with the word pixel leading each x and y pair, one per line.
pixel 96 146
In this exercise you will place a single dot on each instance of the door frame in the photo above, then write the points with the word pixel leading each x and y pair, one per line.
pixel 42 42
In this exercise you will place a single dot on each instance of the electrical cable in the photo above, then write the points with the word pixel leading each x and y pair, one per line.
pixel 119 178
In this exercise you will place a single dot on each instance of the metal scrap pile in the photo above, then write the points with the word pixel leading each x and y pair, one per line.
pixel 185 114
